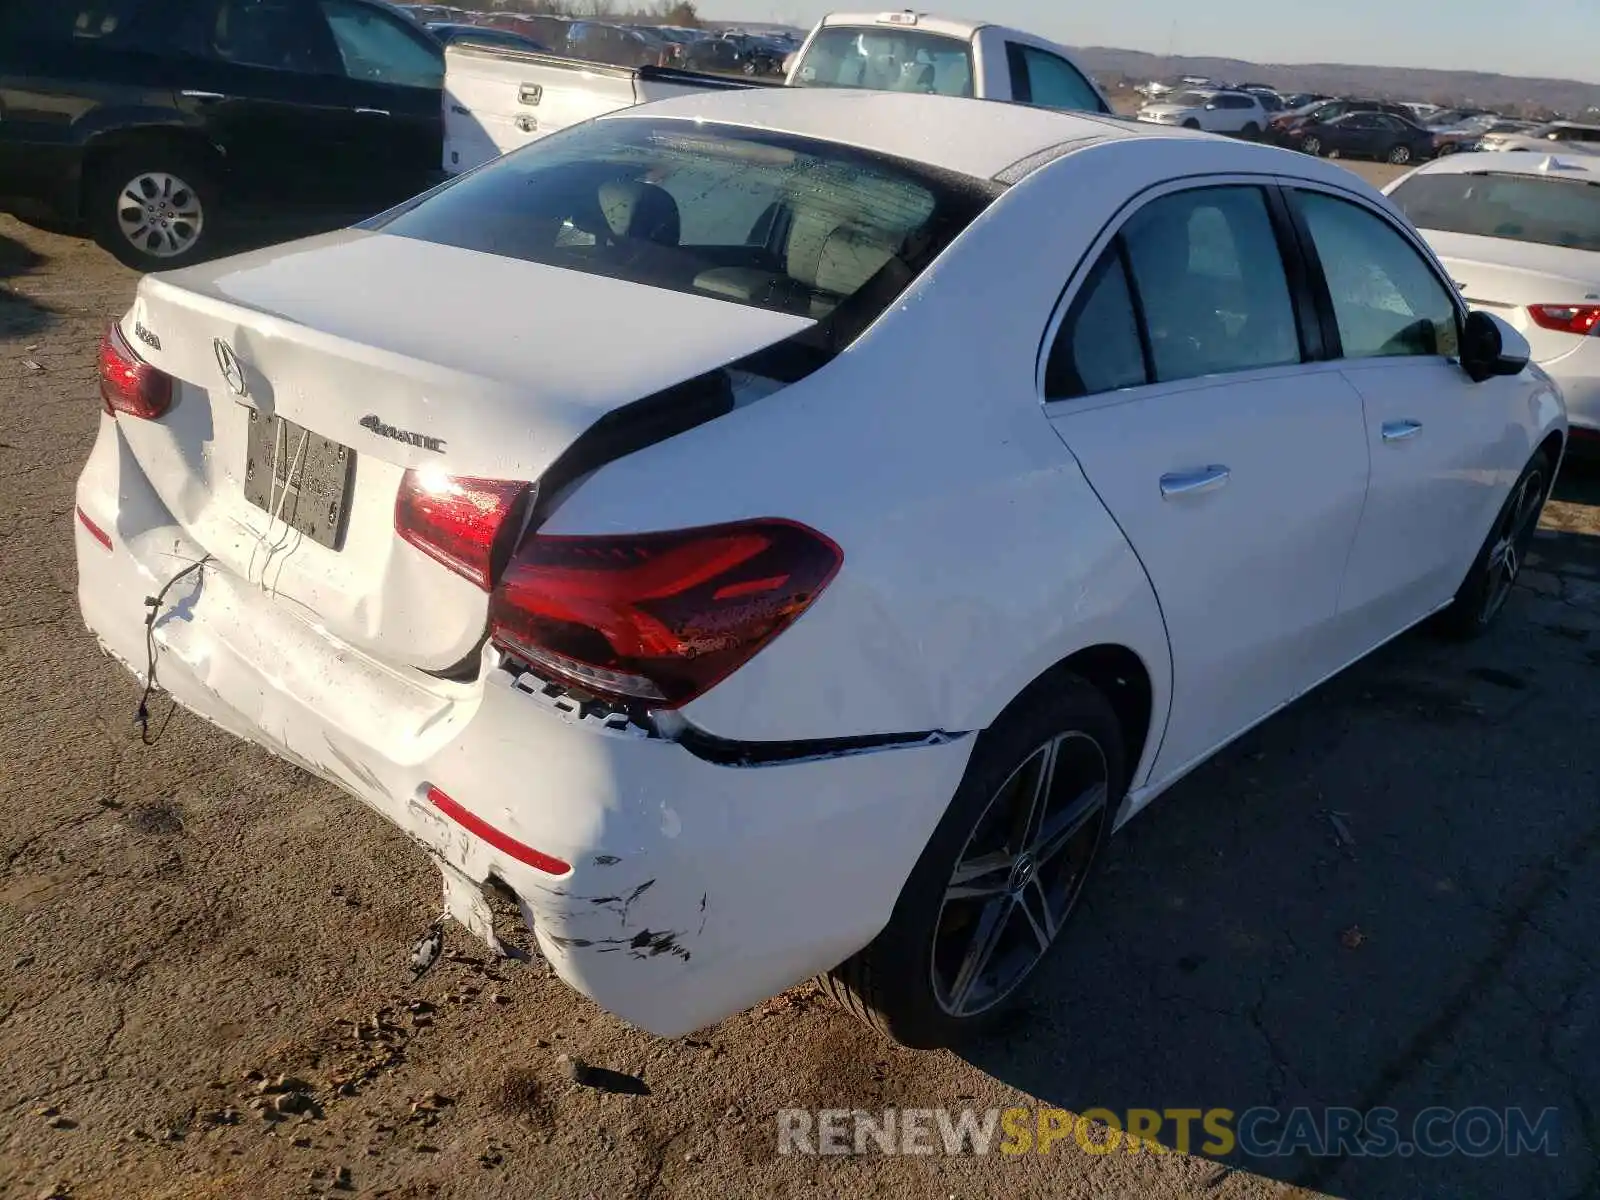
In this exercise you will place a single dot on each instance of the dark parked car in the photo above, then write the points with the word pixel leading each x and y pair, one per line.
pixel 1378 135
pixel 1321 114
pixel 758 56
pixel 448 33
pixel 713 54
pixel 612 44
pixel 144 121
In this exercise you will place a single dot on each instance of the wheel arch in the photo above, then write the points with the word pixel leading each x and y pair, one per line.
pixel 103 147
pixel 1123 677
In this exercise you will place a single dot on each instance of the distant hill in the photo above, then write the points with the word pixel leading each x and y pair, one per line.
pixel 1476 88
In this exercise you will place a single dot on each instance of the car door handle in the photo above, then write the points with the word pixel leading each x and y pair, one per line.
pixel 1399 431
pixel 1193 483
pixel 195 94
pixel 374 112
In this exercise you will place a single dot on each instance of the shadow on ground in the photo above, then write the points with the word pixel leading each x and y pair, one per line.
pixel 1239 952
pixel 19 315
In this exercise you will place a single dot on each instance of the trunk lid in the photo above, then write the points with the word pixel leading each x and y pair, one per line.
pixel 411 355
pixel 1504 277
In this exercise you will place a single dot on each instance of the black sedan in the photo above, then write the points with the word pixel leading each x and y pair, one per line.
pixel 1379 135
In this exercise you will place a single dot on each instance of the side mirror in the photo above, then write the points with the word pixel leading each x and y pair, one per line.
pixel 1210 106
pixel 1490 347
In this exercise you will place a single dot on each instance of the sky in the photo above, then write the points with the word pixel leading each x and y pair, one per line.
pixel 1553 38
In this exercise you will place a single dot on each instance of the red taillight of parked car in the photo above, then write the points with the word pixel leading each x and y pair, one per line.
pixel 1580 319
pixel 467 524
pixel 657 618
pixel 128 384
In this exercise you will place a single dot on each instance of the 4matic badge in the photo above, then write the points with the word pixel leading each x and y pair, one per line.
pixel 373 425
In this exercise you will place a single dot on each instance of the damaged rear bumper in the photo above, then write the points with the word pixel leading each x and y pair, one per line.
pixel 693 890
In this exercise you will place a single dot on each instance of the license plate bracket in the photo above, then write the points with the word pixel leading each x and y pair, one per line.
pixel 300 476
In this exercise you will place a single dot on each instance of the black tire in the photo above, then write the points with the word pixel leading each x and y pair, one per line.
pixel 188 205
pixel 1251 131
pixel 1312 146
pixel 1399 155
pixel 891 984
pixel 1191 123
pixel 1484 591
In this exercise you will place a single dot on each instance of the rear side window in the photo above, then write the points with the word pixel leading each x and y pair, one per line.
pixel 1098 349
pixel 283 35
pixel 886 59
pixel 1386 298
pixel 106 21
pixel 1545 209
pixel 1211 283
pixel 1194 285
pixel 1048 80
pixel 788 224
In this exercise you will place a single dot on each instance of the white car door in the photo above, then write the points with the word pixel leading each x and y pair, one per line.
pixel 1236 468
pixel 1443 449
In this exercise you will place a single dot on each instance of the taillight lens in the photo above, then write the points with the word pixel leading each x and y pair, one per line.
pixel 467 524
pixel 658 617
pixel 128 384
pixel 1580 319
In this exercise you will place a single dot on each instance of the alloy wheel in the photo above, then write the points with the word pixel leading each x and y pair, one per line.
pixel 1510 545
pixel 160 214
pixel 1019 875
pixel 1313 146
pixel 1400 154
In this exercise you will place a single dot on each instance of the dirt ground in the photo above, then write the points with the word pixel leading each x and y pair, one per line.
pixel 203 988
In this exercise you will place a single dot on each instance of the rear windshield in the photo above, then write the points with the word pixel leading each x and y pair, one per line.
pixel 1521 208
pixel 788 224
pixel 886 59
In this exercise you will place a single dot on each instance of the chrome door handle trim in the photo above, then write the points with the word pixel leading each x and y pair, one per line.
pixel 374 112
pixel 1194 483
pixel 1399 431
pixel 195 94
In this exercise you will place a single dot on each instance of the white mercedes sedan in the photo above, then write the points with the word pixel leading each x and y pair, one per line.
pixel 782 533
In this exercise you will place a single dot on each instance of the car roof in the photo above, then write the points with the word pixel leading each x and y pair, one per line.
pixel 980 138
pixel 1584 167
pixel 927 22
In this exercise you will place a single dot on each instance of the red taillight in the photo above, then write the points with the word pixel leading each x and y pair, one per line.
pixel 99 535
pixel 1580 319
pixel 503 842
pixel 469 525
pixel 128 384
pixel 658 617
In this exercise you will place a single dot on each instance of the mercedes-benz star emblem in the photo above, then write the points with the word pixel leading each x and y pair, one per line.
pixel 230 366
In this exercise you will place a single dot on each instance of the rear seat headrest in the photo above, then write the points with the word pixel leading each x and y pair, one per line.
pixel 634 209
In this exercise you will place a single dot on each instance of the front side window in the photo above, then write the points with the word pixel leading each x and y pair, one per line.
pixel 789 224
pixel 886 59
pixel 1386 298
pixel 1048 80
pixel 375 46
pixel 1211 283
pixel 1545 209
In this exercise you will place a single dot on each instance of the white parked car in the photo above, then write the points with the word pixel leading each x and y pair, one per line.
pixel 1520 235
pixel 1213 111
pixel 770 541
pixel 1568 137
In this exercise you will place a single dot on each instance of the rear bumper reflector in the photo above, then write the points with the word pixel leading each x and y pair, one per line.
pixel 99 535
pixel 502 842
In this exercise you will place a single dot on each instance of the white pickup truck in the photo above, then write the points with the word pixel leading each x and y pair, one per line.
pixel 496 99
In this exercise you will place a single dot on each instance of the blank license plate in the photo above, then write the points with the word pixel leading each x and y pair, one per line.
pixel 298 476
